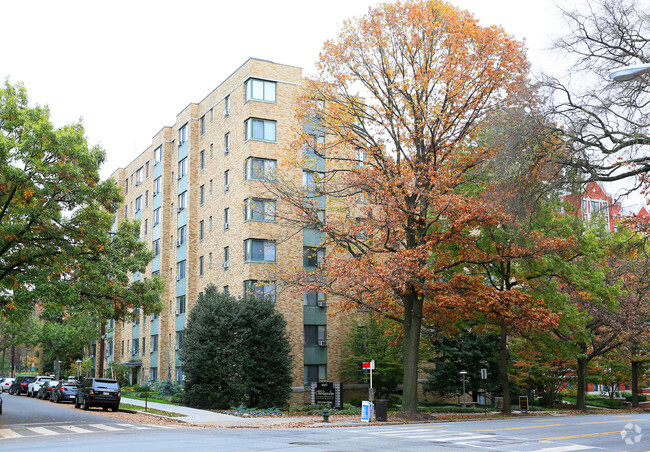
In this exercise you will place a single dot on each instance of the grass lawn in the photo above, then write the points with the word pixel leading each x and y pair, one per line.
pixel 127 406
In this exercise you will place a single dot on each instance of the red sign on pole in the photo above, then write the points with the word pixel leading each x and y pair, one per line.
pixel 368 365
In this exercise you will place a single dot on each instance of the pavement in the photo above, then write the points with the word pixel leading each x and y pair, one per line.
pixel 209 418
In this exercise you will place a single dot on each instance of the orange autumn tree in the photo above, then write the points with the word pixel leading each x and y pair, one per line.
pixel 400 98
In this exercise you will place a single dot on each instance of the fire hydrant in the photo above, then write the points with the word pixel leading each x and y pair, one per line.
pixel 326 416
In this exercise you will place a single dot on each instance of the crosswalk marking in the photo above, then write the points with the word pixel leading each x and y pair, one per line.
pixel 462 437
pixel 565 448
pixel 43 431
pixel 9 433
pixel 75 429
pixel 134 427
pixel 108 428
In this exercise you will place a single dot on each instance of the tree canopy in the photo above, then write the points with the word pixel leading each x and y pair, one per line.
pixel 56 245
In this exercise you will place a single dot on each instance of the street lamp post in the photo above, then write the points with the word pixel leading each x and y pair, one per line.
pixel 627 73
pixel 78 369
pixel 462 377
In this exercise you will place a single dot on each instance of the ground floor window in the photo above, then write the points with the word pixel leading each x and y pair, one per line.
pixel 153 374
pixel 315 372
pixel 180 376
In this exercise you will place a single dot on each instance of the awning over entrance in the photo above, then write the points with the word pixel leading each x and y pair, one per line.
pixel 133 363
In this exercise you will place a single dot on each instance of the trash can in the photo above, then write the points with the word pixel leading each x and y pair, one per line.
pixel 381 410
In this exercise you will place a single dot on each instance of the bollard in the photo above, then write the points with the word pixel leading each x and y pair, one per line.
pixel 326 416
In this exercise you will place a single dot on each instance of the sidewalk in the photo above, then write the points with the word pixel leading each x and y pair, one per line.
pixel 209 418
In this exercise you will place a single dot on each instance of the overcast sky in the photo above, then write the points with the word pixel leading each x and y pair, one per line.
pixel 127 68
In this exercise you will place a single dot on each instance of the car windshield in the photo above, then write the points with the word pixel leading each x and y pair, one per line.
pixel 70 386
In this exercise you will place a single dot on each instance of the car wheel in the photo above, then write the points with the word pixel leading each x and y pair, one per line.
pixel 105 408
pixel 76 403
pixel 85 405
pixel 0 409
pixel 115 408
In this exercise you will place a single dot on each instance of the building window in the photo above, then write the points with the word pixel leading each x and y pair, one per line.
pixel 180 269
pixel 211 114
pixel 260 129
pixel 201 229
pixel 226 218
pixel 313 256
pixel 135 346
pixel 156 247
pixel 315 298
pixel 259 289
pixel 315 373
pixel 202 123
pixel 315 334
pixel 202 194
pixel 210 223
pixel 157 154
pixel 210 260
pixel 226 290
pixel 181 235
pixel 138 176
pixel 258 250
pixel 226 111
pixel 260 90
pixel 146 171
pixel 146 198
pixel 260 169
pixel 182 168
pixel 360 158
pixel 126 188
pixel 226 139
pixel 226 256
pixel 179 342
pixel 154 342
pixel 126 211
pixel 157 185
pixel 200 265
pixel 315 146
pixel 156 216
pixel 312 181
pixel 259 209
pixel 182 199
pixel 138 204
pixel 226 180
pixel 182 134
pixel 146 226
pixel 210 186
pixel 202 159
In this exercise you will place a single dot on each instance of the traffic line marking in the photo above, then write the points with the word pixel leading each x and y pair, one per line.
pixel 134 427
pixel 456 438
pixel 565 448
pixel 586 435
pixel 429 426
pixel 43 431
pixel 519 428
pixel 609 422
pixel 75 429
pixel 108 428
pixel 9 433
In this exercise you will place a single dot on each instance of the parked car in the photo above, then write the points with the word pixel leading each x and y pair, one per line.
pixel 46 389
pixel 34 386
pixel 5 383
pixel 0 405
pixel 99 392
pixel 20 385
pixel 64 391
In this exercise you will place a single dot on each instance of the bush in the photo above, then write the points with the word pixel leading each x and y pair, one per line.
pixel 642 398
pixel 235 352
pixel 355 402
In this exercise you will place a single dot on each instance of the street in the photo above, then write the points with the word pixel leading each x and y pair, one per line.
pixel 30 424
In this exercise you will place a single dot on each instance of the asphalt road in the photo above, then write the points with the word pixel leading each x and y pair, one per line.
pixel 29 424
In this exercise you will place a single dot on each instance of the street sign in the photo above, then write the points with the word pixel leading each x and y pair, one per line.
pixel 484 374
pixel 368 365
pixel 523 404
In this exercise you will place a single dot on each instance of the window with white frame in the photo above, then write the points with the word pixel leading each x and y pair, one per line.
pixel 226 102
pixel 226 217
pixel 202 160
pixel 263 90
pixel 156 216
pixel 315 298
pixel 226 256
pixel 157 154
pixel 315 145
pixel 260 129
pixel 182 168
pixel 138 204
pixel 226 140
pixel 182 200
pixel 202 194
pixel 313 180
pixel 180 269
pixel 259 250
pixel 157 185
pixel 226 180
pixel 360 158
pixel 202 124
pixel 313 256
pixel 182 235
pixel 257 209
pixel 261 169
pixel 180 304
pixel 201 229
pixel 156 247
pixel 259 289
pixel 182 134
pixel 200 265
pixel 138 176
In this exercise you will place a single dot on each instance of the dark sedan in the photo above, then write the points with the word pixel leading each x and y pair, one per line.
pixel 64 392
pixel 20 385
pixel 46 389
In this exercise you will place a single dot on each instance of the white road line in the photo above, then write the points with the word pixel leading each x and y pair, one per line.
pixel 158 426
pixel 108 428
pixel 43 431
pixel 9 433
pixel 134 427
pixel 566 448
pixel 461 438
pixel 75 429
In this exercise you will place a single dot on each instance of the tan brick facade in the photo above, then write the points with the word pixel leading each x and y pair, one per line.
pixel 207 196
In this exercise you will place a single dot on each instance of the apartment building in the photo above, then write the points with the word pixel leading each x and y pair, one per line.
pixel 198 191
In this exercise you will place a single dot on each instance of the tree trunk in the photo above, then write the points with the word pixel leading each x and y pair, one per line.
pixel 13 361
pixel 102 334
pixel 503 370
pixel 635 384
pixel 2 368
pixel 412 327
pixel 57 366
pixel 582 384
